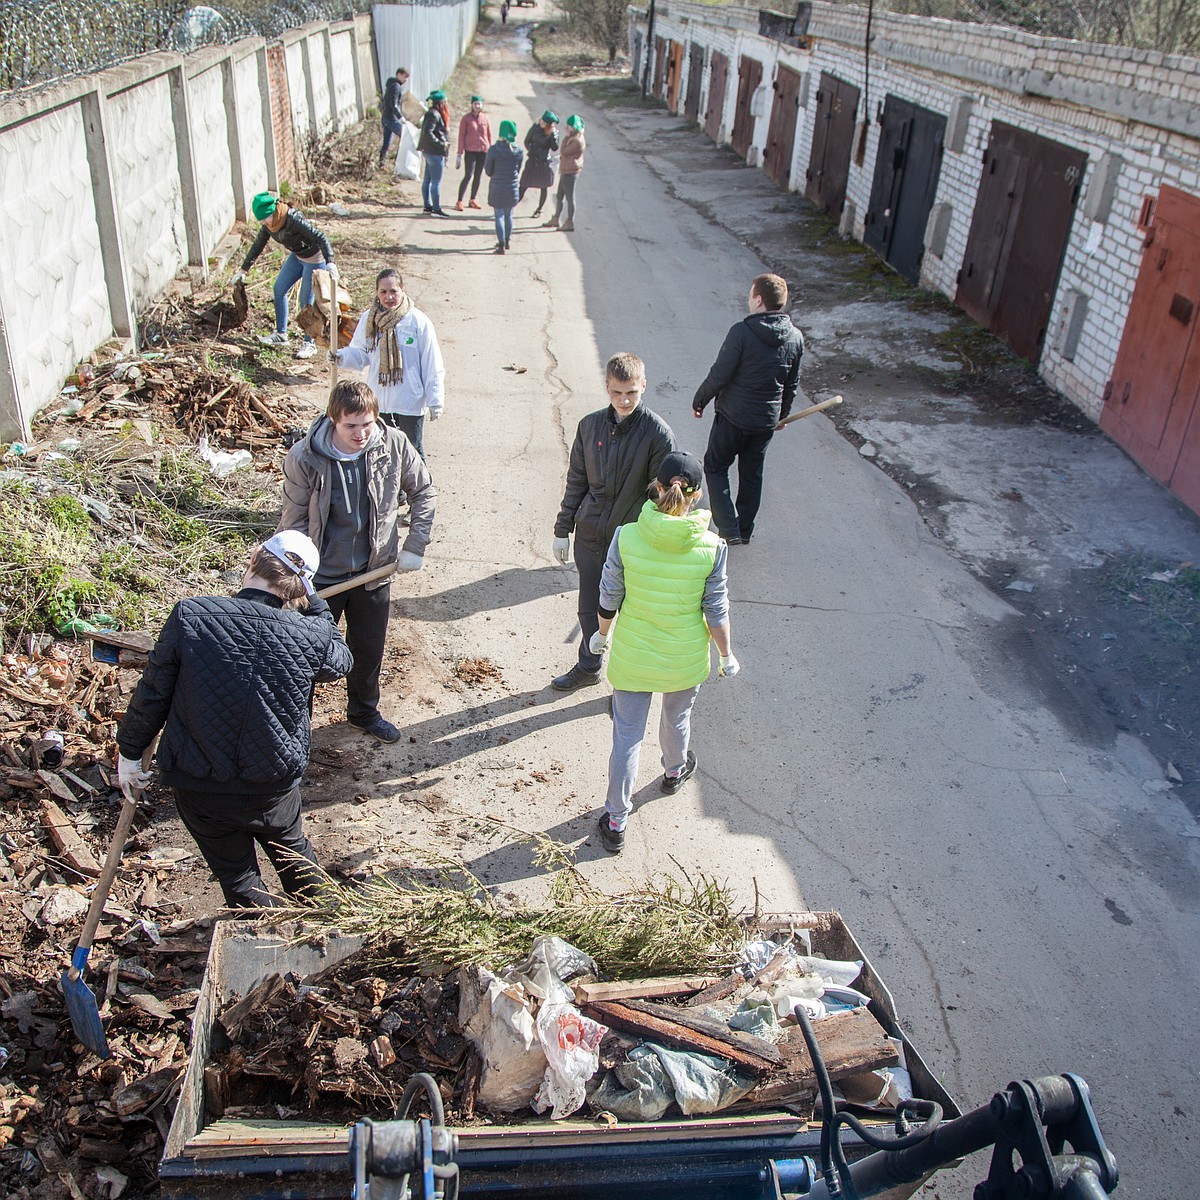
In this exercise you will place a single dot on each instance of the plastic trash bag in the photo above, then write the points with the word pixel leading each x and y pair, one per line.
pixel 831 970
pixel 639 1090
pixel 756 1016
pixel 550 964
pixel 222 462
pixel 571 1043
pixel 408 159
pixel 636 1090
pixel 498 1018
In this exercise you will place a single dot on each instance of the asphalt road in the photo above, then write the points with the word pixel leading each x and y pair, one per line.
pixel 1031 901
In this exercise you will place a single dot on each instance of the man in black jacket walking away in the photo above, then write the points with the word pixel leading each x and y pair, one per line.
pixel 754 382
pixel 228 684
pixel 616 455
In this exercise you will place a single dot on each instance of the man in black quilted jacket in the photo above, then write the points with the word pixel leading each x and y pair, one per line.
pixel 754 382
pixel 616 454
pixel 228 685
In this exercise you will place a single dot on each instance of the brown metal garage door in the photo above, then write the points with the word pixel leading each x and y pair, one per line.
pixel 1152 402
pixel 749 77
pixel 691 104
pixel 718 77
pixel 833 139
pixel 781 138
pixel 1019 233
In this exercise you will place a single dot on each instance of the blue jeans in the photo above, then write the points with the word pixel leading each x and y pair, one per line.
pixel 292 270
pixel 504 225
pixel 389 128
pixel 413 428
pixel 431 184
pixel 630 710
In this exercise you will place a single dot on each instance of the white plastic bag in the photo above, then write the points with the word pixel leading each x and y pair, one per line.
pixel 571 1043
pixel 408 160
pixel 498 1018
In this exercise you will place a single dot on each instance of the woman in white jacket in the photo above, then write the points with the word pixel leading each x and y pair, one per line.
pixel 395 343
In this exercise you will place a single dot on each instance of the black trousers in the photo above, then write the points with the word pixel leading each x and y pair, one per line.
pixel 727 444
pixel 590 563
pixel 367 611
pixel 473 171
pixel 228 828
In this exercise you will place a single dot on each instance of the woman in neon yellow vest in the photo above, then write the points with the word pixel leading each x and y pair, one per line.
pixel 665 573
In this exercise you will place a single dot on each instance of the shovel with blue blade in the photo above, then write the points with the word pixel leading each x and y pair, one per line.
pixel 81 1000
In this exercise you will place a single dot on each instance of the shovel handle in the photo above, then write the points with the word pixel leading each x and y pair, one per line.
pixel 812 408
pixel 113 860
pixel 376 573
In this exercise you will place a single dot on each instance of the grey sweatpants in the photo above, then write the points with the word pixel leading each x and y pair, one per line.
pixel 630 710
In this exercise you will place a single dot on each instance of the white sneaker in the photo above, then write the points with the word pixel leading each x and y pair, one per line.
pixel 273 339
pixel 306 350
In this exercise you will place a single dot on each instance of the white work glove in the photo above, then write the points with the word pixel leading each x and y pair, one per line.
pixel 562 549
pixel 728 666
pixel 335 356
pixel 598 642
pixel 434 413
pixel 458 163
pixel 333 271
pixel 240 277
pixel 130 773
pixel 408 561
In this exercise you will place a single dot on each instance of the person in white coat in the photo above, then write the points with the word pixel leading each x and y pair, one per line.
pixel 396 344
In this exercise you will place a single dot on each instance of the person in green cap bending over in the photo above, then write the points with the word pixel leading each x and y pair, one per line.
pixel 474 138
pixel 310 251
pixel 540 141
pixel 434 144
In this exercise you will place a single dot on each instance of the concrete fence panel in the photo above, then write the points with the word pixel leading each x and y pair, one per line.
pixel 209 129
pixel 148 189
pixel 297 85
pixel 52 288
pixel 253 127
pixel 345 78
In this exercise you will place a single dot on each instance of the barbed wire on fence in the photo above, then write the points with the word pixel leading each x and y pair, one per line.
pixel 42 41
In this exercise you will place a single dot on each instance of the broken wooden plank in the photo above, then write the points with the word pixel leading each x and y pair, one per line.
pixel 684 1028
pixel 70 845
pixel 718 991
pixel 57 788
pixel 642 989
pixel 850 1043
pixel 263 996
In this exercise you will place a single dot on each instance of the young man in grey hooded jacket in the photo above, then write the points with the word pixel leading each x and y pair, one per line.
pixel 343 485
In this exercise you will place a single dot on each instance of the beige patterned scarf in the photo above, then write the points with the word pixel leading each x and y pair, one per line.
pixel 381 332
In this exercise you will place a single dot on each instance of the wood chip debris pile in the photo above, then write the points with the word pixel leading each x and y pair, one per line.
pixel 342 1044
pixel 182 388
pixel 72 1125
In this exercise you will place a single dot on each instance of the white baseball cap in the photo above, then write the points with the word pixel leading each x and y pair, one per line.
pixel 289 545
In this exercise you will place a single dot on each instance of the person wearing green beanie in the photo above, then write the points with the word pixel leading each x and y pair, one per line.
pixel 502 163
pixel 570 164
pixel 309 251
pixel 540 142
pixel 434 144
pixel 474 138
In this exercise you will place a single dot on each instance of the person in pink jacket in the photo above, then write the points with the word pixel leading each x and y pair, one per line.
pixel 474 138
pixel 570 163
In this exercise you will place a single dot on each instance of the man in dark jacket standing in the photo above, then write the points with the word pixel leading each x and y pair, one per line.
pixel 754 382
pixel 391 110
pixel 616 455
pixel 228 684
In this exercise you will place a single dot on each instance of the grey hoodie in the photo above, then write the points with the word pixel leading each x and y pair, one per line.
pixel 323 498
